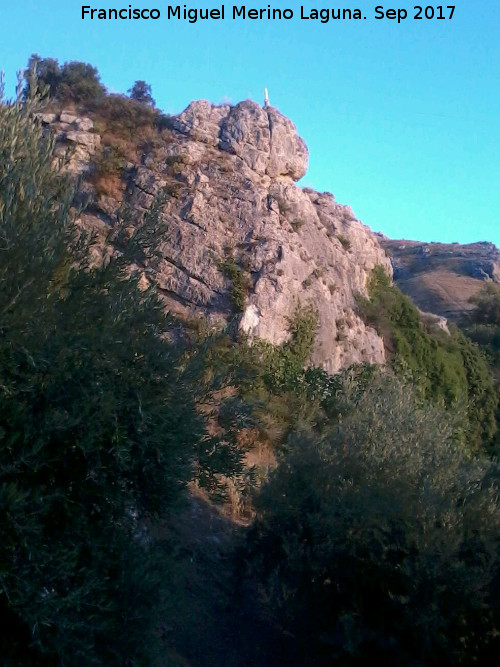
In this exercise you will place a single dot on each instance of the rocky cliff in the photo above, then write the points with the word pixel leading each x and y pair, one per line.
pixel 235 214
pixel 442 277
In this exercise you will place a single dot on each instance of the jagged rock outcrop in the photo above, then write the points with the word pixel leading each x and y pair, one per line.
pixel 228 174
pixel 442 277
pixel 264 139
pixel 75 138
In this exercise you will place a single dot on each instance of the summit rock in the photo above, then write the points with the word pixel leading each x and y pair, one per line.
pixel 228 176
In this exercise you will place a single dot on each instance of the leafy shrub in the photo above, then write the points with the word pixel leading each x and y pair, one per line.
pixel 379 538
pixel 240 282
pixel 447 369
pixel 122 116
pixel 79 82
pixel 173 188
pixel 48 74
pixel 127 128
pixel 108 166
pixel 271 379
pixel 176 162
pixel 303 326
pixel 346 243
pixel 141 92
pixel 280 368
pixel 74 81
pixel 163 122
pixel 487 303
pixel 482 324
pixel 126 125
pixel 99 427
pixel 296 224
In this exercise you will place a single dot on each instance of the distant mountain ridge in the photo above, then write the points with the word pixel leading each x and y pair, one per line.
pixel 442 277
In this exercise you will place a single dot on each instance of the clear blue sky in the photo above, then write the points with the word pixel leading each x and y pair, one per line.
pixel 402 120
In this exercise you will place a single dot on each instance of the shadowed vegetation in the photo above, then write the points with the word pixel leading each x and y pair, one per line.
pixel 364 506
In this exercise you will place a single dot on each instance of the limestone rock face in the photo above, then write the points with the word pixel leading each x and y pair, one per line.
pixel 264 139
pixel 245 132
pixel 289 154
pixel 227 175
pixel 201 121
pixel 75 139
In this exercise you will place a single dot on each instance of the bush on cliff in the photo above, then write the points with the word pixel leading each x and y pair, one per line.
pixel 379 539
pixel 99 429
pixel 447 369
pixel 72 82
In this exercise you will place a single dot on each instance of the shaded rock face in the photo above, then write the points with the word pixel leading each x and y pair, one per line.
pixel 442 277
pixel 228 176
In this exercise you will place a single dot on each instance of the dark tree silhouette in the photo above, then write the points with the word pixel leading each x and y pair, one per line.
pixel 141 92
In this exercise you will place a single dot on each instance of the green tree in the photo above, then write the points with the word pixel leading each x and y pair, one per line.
pixel 380 538
pixel 80 82
pixel 482 324
pixel 99 429
pixel 446 367
pixel 47 73
pixel 487 303
pixel 141 92
pixel 74 81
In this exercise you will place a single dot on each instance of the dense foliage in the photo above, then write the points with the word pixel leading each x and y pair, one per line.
pixel 141 92
pixel 379 539
pixel 99 425
pixel 271 380
pixel 447 368
pixel 240 282
pixel 483 323
pixel 73 81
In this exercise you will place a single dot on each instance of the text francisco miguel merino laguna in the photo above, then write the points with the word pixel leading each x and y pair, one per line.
pixel 192 14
